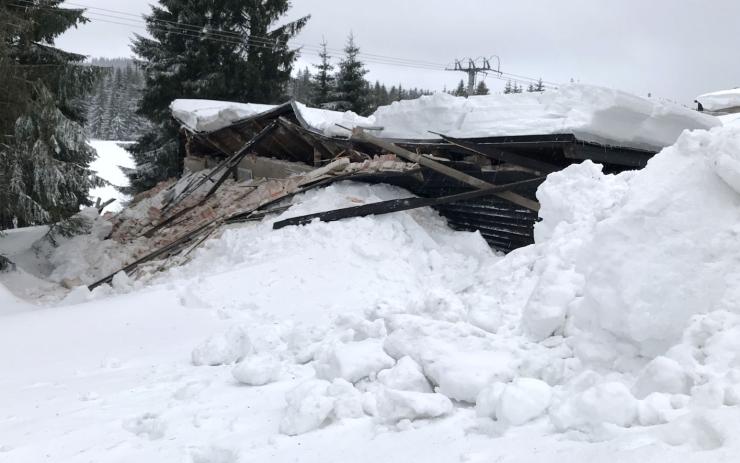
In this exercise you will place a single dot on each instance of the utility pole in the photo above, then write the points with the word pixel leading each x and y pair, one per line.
pixel 472 68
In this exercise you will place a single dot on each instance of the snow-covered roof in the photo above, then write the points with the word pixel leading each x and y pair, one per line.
pixel 723 99
pixel 593 114
pixel 212 115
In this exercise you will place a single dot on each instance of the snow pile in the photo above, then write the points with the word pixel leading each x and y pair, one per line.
pixel 210 115
pixel 616 334
pixel 594 114
pixel 718 101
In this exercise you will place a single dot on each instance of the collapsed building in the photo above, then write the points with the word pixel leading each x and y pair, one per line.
pixel 478 161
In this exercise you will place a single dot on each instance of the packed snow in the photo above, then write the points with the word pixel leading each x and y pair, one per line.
pixel 112 155
pixel 211 115
pixel 593 114
pixel 395 338
pixel 721 100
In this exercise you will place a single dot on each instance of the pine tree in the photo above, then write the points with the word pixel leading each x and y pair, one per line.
pixel 517 88
pixel 351 85
pixel 540 87
pixel 530 88
pixel 323 80
pixel 44 155
pixel 460 90
pixel 482 88
pixel 508 88
pixel 253 65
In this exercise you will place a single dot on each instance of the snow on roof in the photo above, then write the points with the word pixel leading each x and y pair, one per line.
pixel 593 114
pixel 723 99
pixel 328 122
pixel 211 115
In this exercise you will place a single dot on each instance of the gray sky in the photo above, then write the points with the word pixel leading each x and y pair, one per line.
pixel 675 49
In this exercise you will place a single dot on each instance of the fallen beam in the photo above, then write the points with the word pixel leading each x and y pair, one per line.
pixel 397 205
pixel 497 154
pixel 362 136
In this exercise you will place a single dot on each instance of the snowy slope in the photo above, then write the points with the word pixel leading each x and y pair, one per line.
pixel 394 338
pixel 723 99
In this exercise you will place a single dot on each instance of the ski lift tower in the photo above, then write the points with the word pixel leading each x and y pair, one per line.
pixel 473 67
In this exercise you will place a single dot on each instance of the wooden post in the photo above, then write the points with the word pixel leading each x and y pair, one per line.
pixel 361 136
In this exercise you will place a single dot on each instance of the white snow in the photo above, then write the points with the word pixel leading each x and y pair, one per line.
pixel 211 115
pixel 594 114
pixel 393 338
pixel 111 156
pixel 718 101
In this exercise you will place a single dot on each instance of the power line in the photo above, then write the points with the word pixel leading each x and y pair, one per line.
pixel 235 38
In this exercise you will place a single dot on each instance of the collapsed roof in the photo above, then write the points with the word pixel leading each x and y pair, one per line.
pixel 496 139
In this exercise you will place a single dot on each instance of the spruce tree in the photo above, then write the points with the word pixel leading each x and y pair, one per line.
pixel 323 80
pixel 233 51
pixel 540 87
pixel 482 88
pixel 508 88
pixel 460 90
pixel 352 89
pixel 44 155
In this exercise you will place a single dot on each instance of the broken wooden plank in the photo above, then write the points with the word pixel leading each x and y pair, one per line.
pixel 168 249
pixel 497 154
pixel 396 205
pixel 102 206
pixel 362 136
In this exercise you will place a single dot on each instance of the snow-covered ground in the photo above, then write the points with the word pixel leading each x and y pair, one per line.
pixel 394 338
pixel 111 156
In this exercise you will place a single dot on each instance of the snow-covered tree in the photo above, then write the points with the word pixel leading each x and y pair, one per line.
pixel 44 155
pixel 232 50
pixel 323 81
pixel 352 90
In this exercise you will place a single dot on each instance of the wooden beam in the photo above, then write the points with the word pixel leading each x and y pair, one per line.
pixel 396 205
pixel 361 136
pixel 497 154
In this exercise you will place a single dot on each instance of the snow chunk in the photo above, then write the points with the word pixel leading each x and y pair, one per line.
pixel 606 403
pixel 394 405
pixel 662 375
pixel 222 349
pixel 308 407
pixel 515 403
pixel 406 375
pixel 257 370
pixel 723 99
pixel 352 361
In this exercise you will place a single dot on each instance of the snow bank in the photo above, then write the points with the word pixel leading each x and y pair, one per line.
pixel 593 114
pixel 210 115
pixel 723 99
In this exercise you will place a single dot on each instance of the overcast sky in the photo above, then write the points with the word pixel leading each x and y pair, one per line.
pixel 674 49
